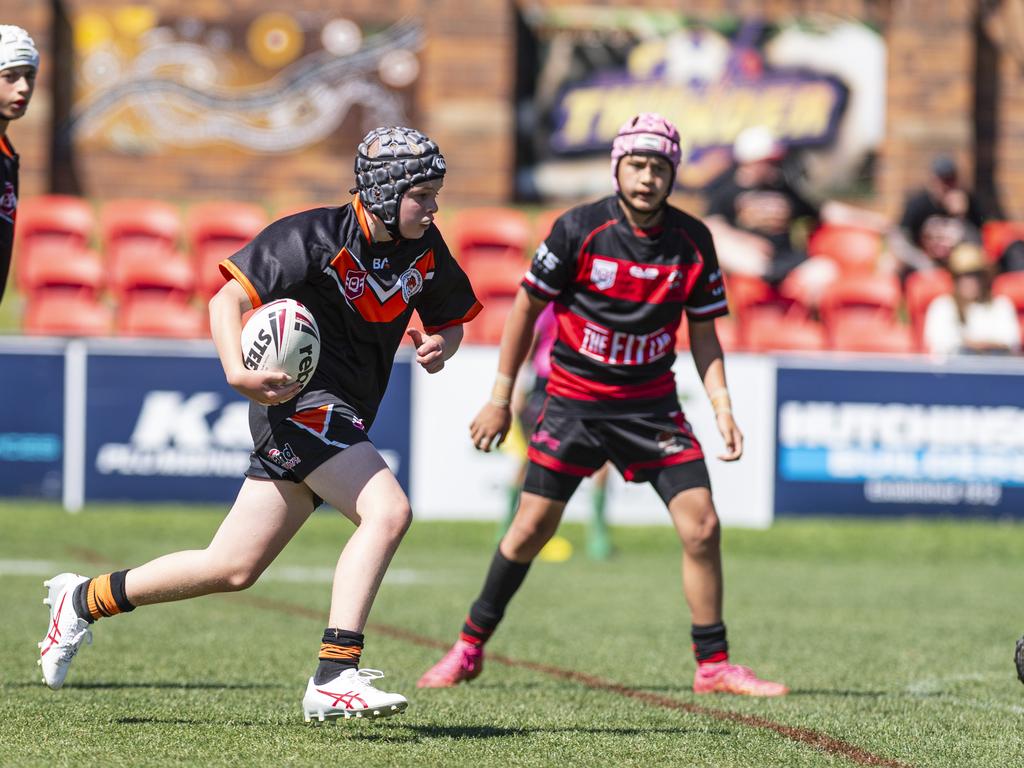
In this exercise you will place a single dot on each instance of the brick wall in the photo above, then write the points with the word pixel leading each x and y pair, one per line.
pixel 938 75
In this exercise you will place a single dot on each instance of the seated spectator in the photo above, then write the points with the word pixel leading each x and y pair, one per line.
pixel 936 218
pixel 971 320
pixel 760 221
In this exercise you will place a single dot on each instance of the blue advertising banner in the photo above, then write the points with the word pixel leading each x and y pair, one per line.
pixel 32 424
pixel 928 440
pixel 169 428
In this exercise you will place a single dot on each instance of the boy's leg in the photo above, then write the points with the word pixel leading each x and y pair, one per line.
pixel 599 540
pixel 262 520
pixel 696 522
pixel 535 523
pixel 359 484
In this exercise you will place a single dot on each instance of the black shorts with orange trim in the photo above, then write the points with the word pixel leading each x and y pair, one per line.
pixel 656 447
pixel 295 446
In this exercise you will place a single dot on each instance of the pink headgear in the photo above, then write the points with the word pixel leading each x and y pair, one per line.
pixel 647 133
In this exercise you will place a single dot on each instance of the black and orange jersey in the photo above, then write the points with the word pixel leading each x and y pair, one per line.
pixel 8 207
pixel 619 296
pixel 362 295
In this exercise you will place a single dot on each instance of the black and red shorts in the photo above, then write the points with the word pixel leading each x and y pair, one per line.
pixel 656 447
pixel 293 447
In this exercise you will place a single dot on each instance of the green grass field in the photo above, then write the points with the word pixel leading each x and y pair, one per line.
pixel 896 637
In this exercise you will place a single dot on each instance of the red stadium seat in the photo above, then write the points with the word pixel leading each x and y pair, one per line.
pixel 216 230
pixel 487 327
pixel 158 273
pixel 496 277
pixel 160 316
pixel 867 333
pixel 726 328
pixel 50 224
pixel 1011 285
pixel 482 233
pixel 861 295
pixel 78 271
pixel 996 235
pixel 854 249
pixel 919 290
pixel 784 335
pixel 62 314
pixel 148 227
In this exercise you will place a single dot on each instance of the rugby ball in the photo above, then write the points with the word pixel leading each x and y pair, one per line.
pixel 282 336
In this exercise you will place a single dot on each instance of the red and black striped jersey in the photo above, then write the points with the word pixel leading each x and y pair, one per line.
pixel 619 298
pixel 362 295
pixel 8 206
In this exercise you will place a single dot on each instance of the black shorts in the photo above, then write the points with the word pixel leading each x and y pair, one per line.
pixel 295 446
pixel 656 447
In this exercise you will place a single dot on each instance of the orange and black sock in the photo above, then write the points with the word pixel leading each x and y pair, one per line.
pixel 339 650
pixel 102 596
pixel 709 643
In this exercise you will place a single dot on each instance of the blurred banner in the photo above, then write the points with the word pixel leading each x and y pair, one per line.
pixel 817 83
pixel 451 479
pixel 922 439
pixel 31 420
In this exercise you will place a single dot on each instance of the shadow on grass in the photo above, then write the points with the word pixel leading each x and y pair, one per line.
pixel 705 699
pixel 164 685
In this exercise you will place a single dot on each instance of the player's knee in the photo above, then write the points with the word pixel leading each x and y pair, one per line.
pixel 703 534
pixel 392 520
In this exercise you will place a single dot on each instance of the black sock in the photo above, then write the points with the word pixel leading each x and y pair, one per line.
pixel 339 650
pixel 78 602
pixel 709 643
pixel 503 580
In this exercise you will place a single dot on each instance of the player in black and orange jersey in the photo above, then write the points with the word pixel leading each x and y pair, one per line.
pixel 19 63
pixel 621 273
pixel 362 270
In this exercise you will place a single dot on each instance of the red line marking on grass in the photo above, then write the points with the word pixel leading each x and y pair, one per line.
pixel 814 739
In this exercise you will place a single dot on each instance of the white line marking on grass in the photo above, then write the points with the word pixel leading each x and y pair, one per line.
pixel 935 688
pixel 28 568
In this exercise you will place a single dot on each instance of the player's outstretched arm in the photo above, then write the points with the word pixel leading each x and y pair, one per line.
pixel 490 427
pixel 265 387
pixel 708 357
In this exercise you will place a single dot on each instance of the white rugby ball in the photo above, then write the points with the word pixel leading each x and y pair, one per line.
pixel 282 336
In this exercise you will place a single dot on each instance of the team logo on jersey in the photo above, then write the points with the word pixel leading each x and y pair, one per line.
pixel 412 283
pixel 355 283
pixel 671 443
pixel 284 458
pixel 9 202
pixel 643 273
pixel 602 274
pixel 358 423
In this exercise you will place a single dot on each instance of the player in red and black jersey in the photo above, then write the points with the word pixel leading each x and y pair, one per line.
pixel 362 270
pixel 19 63
pixel 621 272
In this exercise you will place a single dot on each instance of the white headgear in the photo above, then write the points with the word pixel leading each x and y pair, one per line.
pixel 16 48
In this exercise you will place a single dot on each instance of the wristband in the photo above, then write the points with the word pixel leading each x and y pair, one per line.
pixel 501 393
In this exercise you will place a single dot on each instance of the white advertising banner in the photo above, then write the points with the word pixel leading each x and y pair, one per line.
pixel 452 480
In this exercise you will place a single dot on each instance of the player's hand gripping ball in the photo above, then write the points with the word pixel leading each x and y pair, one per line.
pixel 282 336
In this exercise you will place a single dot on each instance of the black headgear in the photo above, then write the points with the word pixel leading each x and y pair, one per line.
pixel 389 162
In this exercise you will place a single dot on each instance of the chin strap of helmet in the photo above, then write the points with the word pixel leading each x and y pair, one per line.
pixel 389 162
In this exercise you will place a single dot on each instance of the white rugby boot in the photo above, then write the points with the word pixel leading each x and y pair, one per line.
pixel 350 694
pixel 66 631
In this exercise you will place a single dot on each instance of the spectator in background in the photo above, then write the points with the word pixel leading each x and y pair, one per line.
pixel 971 320
pixel 760 220
pixel 936 218
pixel 19 63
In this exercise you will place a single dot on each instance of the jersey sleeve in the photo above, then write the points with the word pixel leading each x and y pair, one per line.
pixel 277 259
pixel 707 298
pixel 553 265
pixel 448 298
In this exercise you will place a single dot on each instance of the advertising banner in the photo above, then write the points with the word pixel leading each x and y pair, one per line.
pixel 924 440
pixel 169 428
pixel 451 479
pixel 32 423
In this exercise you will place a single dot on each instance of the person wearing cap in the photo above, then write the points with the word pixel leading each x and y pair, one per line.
pixel 970 320
pixel 622 274
pixel 19 65
pixel 935 218
pixel 361 270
